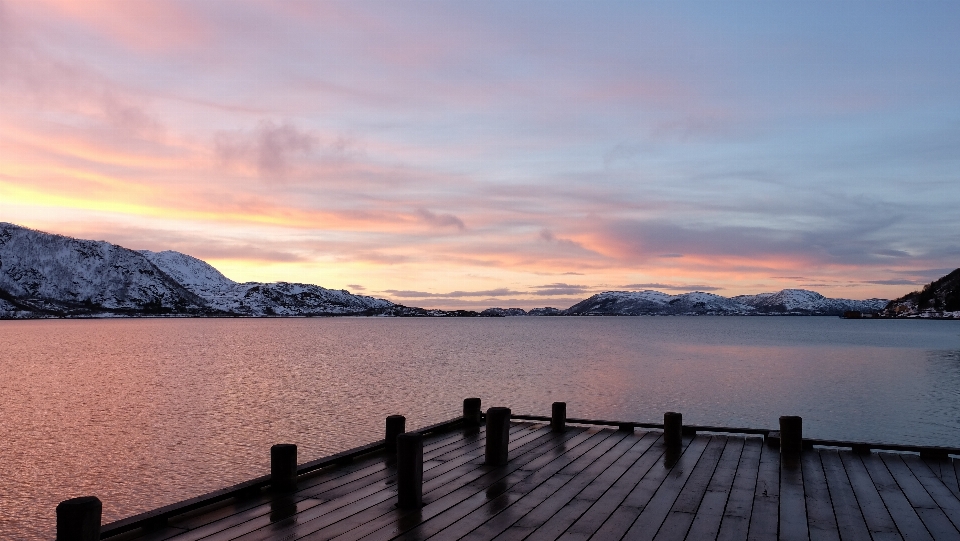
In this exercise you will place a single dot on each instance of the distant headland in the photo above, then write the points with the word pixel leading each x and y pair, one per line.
pixel 43 275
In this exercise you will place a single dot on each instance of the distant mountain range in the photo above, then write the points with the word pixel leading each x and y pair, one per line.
pixel 643 303
pixel 46 275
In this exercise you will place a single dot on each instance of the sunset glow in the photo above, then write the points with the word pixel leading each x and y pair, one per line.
pixel 468 155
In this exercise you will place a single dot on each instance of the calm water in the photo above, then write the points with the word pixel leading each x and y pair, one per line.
pixel 142 413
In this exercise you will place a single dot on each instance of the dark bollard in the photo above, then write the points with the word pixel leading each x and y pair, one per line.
pixel 558 419
pixel 409 471
pixel 672 429
pixel 471 412
pixel 498 436
pixel 283 466
pixel 791 435
pixel 78 519
pixel 396 425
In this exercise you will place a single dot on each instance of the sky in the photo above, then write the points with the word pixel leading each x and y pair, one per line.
pixel 514 154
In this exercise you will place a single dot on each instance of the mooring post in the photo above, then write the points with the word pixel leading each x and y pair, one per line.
pixel 396 425
pixel 558 418
pixel 471 412
pixel 498 436
pixel 78 519
pixel 283 466
pixel 791 435
pixel 672 429
pixel 409 470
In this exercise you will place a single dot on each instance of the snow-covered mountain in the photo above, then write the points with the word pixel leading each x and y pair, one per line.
pixel 56 276
pixel 786 302
pixel 631 303
pixel 45 274
pixel 802 301
pixel 257 298
pixel 53 275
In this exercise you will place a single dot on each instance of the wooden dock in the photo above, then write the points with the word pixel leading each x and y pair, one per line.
pixel 580 481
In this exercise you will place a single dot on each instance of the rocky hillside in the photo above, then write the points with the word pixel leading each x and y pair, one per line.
pixel 940 298
pixel 43 274
pixel 52 275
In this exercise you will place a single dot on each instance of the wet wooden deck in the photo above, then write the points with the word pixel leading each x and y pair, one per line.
pixel 601 483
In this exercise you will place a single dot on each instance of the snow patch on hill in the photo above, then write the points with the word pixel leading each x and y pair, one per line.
pixel 44 274
pixel 787 302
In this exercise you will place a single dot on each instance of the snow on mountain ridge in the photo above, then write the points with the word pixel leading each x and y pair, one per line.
pixel 192 273
pixel 45 274
pixel 787 301
pixel 258 298
pixel 62 275
pixel 656 302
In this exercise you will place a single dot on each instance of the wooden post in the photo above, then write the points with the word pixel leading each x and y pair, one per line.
pixel 672 429
pixel 283 466
pixel 498 436
pixel 558 419
pixel 409 470
pixel 78 519
pixel 471 412
pixel 396 425
pixel 791 435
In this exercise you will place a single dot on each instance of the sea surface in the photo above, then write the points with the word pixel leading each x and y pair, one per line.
pixel 147 412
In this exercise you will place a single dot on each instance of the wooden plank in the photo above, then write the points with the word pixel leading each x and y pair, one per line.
pixel 706 524
pixel 930 513
pixel 681 514
pixel 437 516
pixel 874 512
pixel 545 480
pixel 942 496
pixel 947 474
pixel 359 497
pixel 841 498
pixel 623 517
pixel 591 520
pixel 766 497
pixel 508 512
pixel 360 524
pixel 645 508
pixel 540 505
pixel 369 464
pixel 331 487
pixel 465 517
pixel 821 520
pixel 904 516
pixel 621 487
pixel 552 516
pixel 377 514
pixel 956 469
pixel 793 505
pixel 386 519
pixel 736 515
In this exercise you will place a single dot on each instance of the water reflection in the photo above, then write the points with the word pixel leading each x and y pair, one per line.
pixel 192 406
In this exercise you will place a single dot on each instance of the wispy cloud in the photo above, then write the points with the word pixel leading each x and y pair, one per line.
pixel 673 287
pixel 500 292
pixel 441 220
pixel 423 148
pixel 269 147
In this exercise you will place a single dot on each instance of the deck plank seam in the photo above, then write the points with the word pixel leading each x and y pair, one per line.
pixel 481 487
